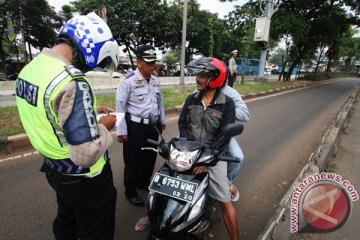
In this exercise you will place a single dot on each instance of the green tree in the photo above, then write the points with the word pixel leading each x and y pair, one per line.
pixel 355 11
pixel 172 57
pixel 40 22
pixel 135 22
pixel 350 52
pixel 241 25
pixel 277 56
pixel 66 12
pixel 311 24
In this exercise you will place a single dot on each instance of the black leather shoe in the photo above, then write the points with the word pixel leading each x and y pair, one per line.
pixel 137 201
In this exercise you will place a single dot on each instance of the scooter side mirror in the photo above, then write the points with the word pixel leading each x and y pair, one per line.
pixel 153 122
pixel 233 129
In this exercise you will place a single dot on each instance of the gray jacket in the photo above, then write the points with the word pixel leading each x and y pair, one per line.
pixel 206 124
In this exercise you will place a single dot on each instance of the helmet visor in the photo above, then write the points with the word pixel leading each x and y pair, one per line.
pixel 197 71
pixel 108 65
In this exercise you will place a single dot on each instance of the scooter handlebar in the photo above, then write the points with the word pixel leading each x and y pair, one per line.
pixel 152 142
pixel 228 159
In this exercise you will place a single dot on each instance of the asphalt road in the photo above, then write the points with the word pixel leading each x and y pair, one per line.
pixel 283 131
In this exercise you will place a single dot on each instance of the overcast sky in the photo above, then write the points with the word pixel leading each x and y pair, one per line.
pixel 214 6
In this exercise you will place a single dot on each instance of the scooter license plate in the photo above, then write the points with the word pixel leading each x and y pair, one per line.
pixel 173 187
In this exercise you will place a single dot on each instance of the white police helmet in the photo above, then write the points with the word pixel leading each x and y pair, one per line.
pixel 93 42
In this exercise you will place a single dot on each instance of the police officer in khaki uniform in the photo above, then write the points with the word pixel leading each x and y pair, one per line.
pixel 139 95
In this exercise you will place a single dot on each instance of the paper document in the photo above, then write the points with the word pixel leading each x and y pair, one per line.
pixel 120 117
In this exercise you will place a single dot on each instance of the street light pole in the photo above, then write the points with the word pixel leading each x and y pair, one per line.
pixel 183 43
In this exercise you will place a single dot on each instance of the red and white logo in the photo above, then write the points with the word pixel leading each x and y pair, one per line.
pixel 325 206
pixel 321 203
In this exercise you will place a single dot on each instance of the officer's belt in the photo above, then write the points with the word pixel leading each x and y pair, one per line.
pixel 65 166
pixel 68 167
pixel 140 120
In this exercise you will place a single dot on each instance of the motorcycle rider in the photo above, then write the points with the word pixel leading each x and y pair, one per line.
pixel 203 117
pixel 242 115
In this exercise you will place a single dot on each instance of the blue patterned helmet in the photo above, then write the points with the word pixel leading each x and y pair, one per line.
pixel 93 42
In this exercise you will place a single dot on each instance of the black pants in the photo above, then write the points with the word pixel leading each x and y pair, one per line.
pixel 139 165
pixel 86 206
pixel 231 79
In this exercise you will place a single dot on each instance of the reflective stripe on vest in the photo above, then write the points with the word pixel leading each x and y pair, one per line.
pixel 57 129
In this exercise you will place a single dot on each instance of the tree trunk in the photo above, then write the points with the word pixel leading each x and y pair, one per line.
pixel 328 65
pixel 317 67
pixel 294 64
pixel 130 57
pixel 2 53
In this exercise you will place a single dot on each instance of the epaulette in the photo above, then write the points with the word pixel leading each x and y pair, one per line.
pixel 129 74
pixel 73 71
pixel 155 75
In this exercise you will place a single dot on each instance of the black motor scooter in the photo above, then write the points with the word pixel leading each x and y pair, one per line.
pixel 178 204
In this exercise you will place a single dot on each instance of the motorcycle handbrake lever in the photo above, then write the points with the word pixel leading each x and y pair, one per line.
pixel 150 148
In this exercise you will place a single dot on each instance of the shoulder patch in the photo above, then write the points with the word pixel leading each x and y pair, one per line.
pixel 73 71
pixel 129 74
pixel 122 86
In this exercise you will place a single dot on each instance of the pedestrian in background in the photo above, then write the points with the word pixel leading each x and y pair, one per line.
pixel 139 96
pixel 232 68
pixel 58 110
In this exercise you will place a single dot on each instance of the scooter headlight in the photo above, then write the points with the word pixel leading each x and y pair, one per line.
pixel 196 210
pixel 182 160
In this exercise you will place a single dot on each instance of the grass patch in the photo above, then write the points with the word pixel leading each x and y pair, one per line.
pixel 331 167
pixel 10 122
pixel 251 87
pixel 173 96
pixel 327 75
pixel 106 100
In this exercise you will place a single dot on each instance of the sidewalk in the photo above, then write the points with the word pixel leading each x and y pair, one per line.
pixel 347 164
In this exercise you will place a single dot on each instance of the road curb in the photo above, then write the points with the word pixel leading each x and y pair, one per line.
pixel 20 143
pixel 317 163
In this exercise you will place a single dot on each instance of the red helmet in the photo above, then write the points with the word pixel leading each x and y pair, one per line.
pixel 212 66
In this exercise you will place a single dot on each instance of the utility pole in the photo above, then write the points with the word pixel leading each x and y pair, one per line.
pixel 262 31
pixel 183 43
